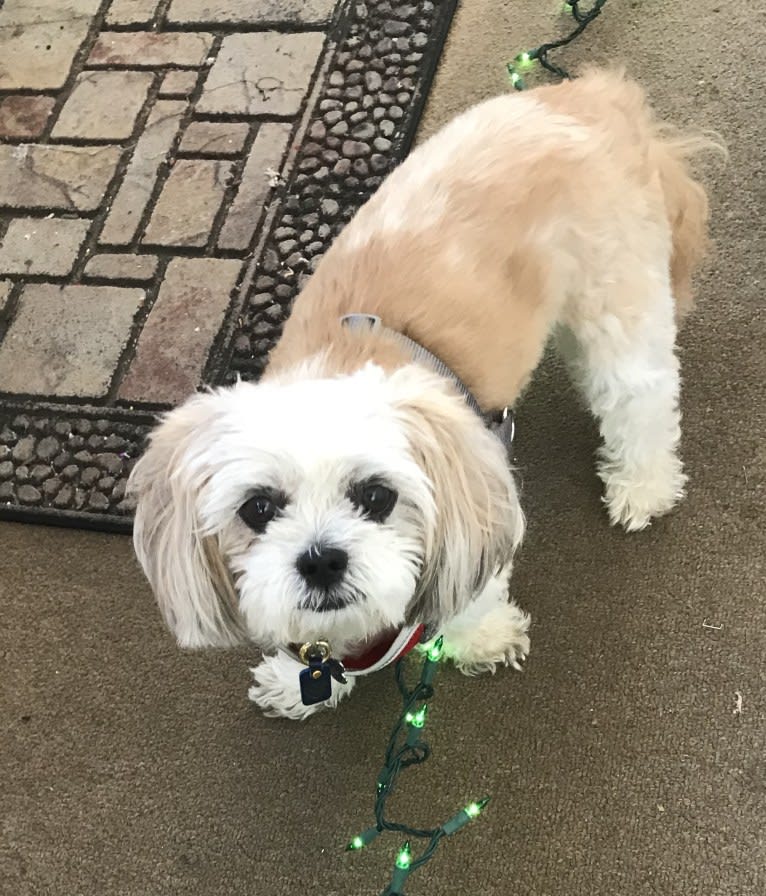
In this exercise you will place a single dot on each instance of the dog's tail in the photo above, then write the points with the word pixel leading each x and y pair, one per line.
pixel 686 204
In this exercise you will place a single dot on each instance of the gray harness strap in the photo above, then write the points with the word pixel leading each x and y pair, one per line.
pixel 502 424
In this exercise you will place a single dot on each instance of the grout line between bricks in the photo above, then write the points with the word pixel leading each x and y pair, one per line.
pixel 235 182
pixel 11 307
pixel 90 244
pixel 139 321
pixel 158 21
pixel 245 27
pixel 167 164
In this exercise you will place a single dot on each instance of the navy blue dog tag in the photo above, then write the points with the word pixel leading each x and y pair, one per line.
pixel 316 681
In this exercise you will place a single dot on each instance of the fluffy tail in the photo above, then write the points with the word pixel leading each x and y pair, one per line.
pixel 686 204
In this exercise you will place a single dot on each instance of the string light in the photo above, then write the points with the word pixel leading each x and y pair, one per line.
pixel 407 748
pixel 404 859
pixel 436 650
pixel 363 839
pixel 517 82
pixel 464 816
pixel 417 719
pixel 401 871
pixel 527 58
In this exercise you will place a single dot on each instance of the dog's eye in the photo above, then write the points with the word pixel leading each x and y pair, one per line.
pixel 257 512
pixel 375 499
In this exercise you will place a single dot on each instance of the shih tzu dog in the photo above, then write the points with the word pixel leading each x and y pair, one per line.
pixel 355 494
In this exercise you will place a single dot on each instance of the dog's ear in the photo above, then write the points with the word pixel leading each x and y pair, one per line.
pixel 184 564
pixel 477 522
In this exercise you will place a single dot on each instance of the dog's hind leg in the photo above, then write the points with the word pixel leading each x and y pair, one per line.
pixel 622 357
pixel 491 631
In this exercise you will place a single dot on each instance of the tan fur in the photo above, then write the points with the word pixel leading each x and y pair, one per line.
pixel 184 565
pixel 482 288
pixel 479 522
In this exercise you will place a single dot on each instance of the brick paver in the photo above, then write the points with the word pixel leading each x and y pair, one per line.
pixel 147 49
pixel 42 245
pixel 39 40
pixel 178 82
pixel 257 182
pixel 263 73
pixel 124 267
pixel 215 138
pixel 174 344
pixel 55 177
pixel 189 203
pixel 195 12
pixel 24 116
pixel 103 105
pixel 131 12
pixel 67 340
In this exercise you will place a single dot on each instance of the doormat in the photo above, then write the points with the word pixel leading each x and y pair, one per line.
pixel 169 179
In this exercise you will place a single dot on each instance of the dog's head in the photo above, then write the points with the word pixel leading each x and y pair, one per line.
pixel 307 507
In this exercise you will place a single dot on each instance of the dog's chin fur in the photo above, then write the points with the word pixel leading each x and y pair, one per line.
pixel 456 520
pixel 486 242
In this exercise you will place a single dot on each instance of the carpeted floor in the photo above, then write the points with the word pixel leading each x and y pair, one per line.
pixel 617 762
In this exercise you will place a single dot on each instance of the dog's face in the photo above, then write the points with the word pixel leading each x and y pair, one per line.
pixel 309 507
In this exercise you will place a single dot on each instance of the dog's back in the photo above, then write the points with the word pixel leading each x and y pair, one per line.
pixel 611 103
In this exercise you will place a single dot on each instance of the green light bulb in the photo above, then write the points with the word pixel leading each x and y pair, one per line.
pixel 474 809
pixel 404 859
pixel 417 719
pixel 436 650
pixel 464 816
pixel 526 59
pixel 361 840
pixel 516 80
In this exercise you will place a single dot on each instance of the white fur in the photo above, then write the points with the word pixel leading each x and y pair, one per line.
pixel 490 632
pixel 629 375
pixel 276 689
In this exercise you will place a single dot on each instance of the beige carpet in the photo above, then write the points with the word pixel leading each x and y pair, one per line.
pixel 617 762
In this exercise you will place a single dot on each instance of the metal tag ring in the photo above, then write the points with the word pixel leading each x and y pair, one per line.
pixel 312 648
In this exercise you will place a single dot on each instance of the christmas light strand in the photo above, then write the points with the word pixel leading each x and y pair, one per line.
pixel 406 747
pixel 527 59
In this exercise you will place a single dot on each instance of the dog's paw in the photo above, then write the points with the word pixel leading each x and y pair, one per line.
pixel 276 689
pixel 499 639
pixel 633 499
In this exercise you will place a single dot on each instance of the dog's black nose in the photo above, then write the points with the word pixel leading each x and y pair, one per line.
pixel 323 567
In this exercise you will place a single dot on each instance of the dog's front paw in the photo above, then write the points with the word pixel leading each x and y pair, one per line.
pixel 276 689
pixel 634 498
pixel 499 639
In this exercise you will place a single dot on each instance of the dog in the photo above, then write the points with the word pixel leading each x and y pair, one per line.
pixel 355 494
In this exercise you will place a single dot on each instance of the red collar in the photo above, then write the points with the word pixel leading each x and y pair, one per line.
pixel 376 651
pixel 374 655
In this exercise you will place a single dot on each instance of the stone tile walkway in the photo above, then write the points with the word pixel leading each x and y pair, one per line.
pixel 145 140
pixel 170 173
